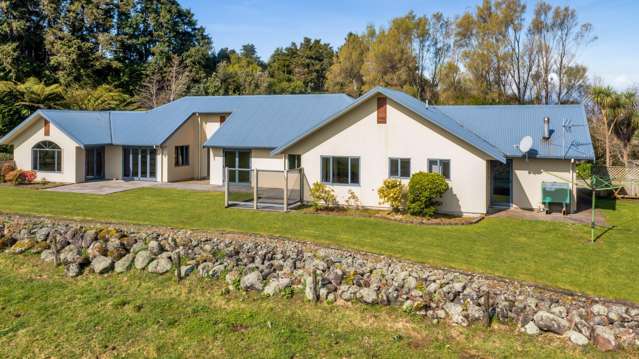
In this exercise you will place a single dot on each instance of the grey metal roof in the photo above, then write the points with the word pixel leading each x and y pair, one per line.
pixel 504 126
pixel 425 112
pixel 269 121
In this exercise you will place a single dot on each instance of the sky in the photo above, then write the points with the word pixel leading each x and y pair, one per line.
pixel 612 58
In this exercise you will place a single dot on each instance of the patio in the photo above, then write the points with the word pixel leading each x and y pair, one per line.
pixel 115 186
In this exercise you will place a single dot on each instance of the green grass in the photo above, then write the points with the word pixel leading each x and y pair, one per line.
pixel 45 314
pixel 548 253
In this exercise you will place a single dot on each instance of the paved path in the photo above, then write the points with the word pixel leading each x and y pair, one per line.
pixel 583 216
pixel 110 186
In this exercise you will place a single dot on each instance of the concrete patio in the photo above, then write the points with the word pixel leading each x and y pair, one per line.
pixel 115 186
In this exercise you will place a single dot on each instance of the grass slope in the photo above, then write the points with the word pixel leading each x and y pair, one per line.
pixel 45 314
pixel 549 253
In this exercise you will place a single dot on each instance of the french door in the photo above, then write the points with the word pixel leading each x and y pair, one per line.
pixel 501 179
pixel 239 165
pixel 94 163
pixel 139 163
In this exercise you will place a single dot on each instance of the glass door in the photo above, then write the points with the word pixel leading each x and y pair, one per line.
pixel 139 163
pixel 239 164
pixel 501 183
pixel 94 163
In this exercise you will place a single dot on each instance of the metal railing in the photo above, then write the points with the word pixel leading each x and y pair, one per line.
pixel 263 189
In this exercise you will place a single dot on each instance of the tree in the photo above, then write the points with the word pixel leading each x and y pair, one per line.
pixel 163 85
pixel 627 125
pixel 607 103
pixel 104 97
pixel 22 49
pixel 300 68
pixel 238 76
pixel 345 75
pixel 439 50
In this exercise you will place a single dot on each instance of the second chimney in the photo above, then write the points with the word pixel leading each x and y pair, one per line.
pixel 546 128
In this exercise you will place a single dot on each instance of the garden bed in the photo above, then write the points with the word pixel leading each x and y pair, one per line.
pixel 438 219
pixel 34 185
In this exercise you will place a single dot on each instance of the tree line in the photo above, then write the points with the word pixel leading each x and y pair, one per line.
pixel 139 54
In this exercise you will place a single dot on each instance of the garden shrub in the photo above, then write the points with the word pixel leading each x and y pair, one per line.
pixel 353 200
pixel 26 177
pixel 584 171
pixel 6 168
pixel 393 193
pixel 322 196
pixel 12 176
pixel 424 190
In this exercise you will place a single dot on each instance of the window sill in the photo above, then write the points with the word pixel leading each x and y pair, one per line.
pixel 342 184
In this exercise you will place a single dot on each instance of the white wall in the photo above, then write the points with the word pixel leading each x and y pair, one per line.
pixel 260 159
pixel 528 176
pixel 72 153
pixel 404 135
pixel 113 162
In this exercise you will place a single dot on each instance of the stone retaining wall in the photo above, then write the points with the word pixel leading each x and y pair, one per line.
pixel 272 265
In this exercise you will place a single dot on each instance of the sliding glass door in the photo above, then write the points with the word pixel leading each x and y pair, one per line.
pixel 239 164
pixel 139 163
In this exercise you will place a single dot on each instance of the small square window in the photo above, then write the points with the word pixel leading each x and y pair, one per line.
pixel 181 156
pixel 399 167
pixel 440 166
pixel 294 161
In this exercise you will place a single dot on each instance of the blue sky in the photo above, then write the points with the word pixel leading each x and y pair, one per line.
pixel 613 57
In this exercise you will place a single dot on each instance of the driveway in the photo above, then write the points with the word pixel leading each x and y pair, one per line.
pixel 103 187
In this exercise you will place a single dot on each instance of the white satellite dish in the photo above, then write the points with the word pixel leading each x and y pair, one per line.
pixel 525 144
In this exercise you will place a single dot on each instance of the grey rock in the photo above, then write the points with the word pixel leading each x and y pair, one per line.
pixel 599 310
pixel 252 281
pixel 70 254
pixel 142 259
pixel 559 311
pixel 310 288
pixel 475 313
pixel 531 328
pixel 276 285
pixel 577 338
pixel 604 338
pixel 138 247
pixel 124 264
pixel 160 266
pixel 551 323
pixel 101 264
pixel 204 269
pixel 72 270
pixel 47 256
pixel 367 296
pixel 455 311
pixel 42 234
pixel 186 270
pixel 155 248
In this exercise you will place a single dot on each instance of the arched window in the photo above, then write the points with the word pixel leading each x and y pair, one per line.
pixel 46 157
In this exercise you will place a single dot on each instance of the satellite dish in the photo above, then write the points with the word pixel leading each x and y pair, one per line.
pixel 525 144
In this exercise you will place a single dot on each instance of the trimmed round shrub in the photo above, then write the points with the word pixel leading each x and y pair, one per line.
pixel 424 192
pixel 393 193
pixel 26 177
pixel 322 196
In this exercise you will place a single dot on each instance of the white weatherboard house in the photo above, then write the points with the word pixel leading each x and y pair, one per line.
pixel 349 144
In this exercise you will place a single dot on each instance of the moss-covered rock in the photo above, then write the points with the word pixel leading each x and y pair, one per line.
pixel 116 253
pixel 108 233
pixel 22 246
pixel 39 247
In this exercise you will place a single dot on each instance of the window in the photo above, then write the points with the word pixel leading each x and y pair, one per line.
pixel 340 170
pixel 181 156
pixel 399 168
pixel 294 161
pixel 440 166
pixel 46 157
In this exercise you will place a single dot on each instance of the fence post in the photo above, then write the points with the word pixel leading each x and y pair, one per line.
pixel 255 188
pixel 226 187
pixel 285 190
pixel 301 185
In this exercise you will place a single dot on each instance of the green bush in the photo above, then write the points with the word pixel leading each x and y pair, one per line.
pixel 393 193
pixel 584 171
pixel 424 191
pixel 322 196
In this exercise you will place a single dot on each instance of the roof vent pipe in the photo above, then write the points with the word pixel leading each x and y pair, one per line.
pixel 546 128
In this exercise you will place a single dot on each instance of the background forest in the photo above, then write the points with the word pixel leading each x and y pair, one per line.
pixel 139 54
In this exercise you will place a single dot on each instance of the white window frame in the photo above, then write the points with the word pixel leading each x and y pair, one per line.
pixel 298 160
pixel 439 166
pixel 399 167
pixel 350 180
pixel 57 157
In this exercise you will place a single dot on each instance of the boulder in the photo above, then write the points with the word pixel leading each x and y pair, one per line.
pixel 577 338
pixel 72 270
pixel 186 270
pixel 138 247
pixel 155 248
pixel 604 338
pixel 124 264
pixel 142 259
pixel 22 246
pixel 97 249
pixel 47 256
pixel 310 288
pixel 160 266
pixel 42 234
pixel 252 281
pixel 599 310
pixel 276 285
pixel 551 323
pixel 367 295
pixel 531 328
pixel 455 311
pixel 70 254
pixel 102 264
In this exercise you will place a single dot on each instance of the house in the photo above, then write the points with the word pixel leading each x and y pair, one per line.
pixel 349 144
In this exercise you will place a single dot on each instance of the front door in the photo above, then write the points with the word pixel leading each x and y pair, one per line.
pixel 94 163
pixel 139 163
pixel 239 164
pixel 501 183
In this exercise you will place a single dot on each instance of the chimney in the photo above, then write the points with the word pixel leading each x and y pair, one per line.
pixel 546 128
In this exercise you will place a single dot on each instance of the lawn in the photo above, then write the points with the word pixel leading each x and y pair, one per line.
pixel 45 314
pixel 548 253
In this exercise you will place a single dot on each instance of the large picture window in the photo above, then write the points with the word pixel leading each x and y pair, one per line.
pixel 181 156
pixel 340 170
pixel 46 157
pixel 440 166
pixel 399 168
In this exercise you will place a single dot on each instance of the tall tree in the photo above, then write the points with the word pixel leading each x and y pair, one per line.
pixel 607 104
pixel 164 84
pixel 627 126
pixel 345 75
pixel 238 76
pixel 22 50
pixel 300 68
